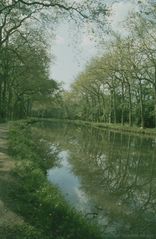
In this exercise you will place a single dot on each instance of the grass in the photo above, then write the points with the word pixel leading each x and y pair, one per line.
pixel 43 211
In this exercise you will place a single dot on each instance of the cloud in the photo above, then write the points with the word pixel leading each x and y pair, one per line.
pixel 60 40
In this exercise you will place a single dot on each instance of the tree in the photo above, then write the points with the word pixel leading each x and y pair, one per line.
pixel 16 12
pixel 120 86
pixel 26 79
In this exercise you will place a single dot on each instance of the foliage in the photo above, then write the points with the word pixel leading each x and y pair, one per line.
pixel 19 231
pixel 120 85
pixel 26 79
pixel 24 59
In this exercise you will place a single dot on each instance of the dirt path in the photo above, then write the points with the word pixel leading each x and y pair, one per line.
pixel 7 217
pixel 5 163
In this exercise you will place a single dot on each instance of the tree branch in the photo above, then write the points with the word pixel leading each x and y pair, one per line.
pixel 50 4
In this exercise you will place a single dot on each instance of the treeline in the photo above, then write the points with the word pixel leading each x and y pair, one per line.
pixel 25 88
pixel 24 60
pixel 24 74
pixel 120 85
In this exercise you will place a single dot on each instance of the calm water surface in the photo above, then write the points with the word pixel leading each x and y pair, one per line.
pixel 109 177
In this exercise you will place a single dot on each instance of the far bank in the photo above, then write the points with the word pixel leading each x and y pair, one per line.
pixel 147 132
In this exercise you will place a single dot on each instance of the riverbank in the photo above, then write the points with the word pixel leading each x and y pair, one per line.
pixel 43 211
pixel 9 219
pixel 150 132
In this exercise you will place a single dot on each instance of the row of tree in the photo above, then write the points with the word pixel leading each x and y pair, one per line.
pixel 24 61
pixel 24 58
pixel 24 74
pixel 120 85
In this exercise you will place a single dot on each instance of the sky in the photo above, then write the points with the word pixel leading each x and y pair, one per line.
pixel 71 55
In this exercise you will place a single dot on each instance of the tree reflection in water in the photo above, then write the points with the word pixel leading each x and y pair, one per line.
pixel 117 172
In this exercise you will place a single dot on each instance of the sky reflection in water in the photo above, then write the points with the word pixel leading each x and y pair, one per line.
pixel 108 176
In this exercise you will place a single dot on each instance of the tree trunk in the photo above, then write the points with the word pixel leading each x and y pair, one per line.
pixel 114 107
pixel 110 109
pixel 141 105
pixel 155 96
pixel 130 104
pixel 122 103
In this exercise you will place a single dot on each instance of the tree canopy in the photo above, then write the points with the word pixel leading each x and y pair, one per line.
pixel 24 59
pixel 120 85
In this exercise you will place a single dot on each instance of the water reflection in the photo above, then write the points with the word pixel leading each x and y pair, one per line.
pixel 110 175
pixel 69 183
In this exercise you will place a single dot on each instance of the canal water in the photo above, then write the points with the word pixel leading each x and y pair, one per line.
pixel 109 177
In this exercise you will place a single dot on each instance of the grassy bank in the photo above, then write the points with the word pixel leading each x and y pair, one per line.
pixel 44 212
pixel 150 132
pixel 126 128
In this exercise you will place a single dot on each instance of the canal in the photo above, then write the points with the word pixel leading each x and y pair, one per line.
pixel 107 176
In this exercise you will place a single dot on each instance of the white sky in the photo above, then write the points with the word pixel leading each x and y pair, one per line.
pixel 71 56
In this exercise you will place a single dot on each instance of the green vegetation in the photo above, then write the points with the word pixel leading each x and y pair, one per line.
pixel 24 81
pixel 25 45
pixel 43 210
pixel 117 90
pixel 150 132
pixel 120 85
pixel 117 87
